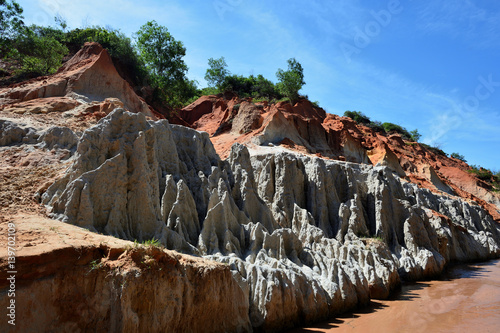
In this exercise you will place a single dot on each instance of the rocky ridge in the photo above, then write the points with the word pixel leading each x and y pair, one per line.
pixel 305 237
pixel 308 129
pixel 310 214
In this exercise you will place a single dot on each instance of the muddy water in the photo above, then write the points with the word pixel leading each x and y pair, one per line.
pixel 467 299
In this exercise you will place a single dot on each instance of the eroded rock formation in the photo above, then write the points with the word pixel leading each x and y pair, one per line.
pixel 307 128
pixel 305 237
pixel 308 214
pixel 88 76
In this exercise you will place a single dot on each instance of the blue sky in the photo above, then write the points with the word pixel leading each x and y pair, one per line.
pixel 431 65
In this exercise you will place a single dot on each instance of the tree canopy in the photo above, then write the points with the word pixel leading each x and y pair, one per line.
pixel 291 80
pixel 11 20
pixel 163 56
pixel 217 72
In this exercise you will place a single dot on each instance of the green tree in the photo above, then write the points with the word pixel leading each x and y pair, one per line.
pixel 162 55
pixel 61 21
pixel 458 156
pixel 217 72
pixel 11 21
pixel 291 80
pixel 415 136
pixel 263 87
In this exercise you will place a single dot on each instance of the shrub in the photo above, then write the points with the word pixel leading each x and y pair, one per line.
pixel 458 157
pixel 49 32
pixel 376 126
pixel 496 181
pixel 262 87
pixel 208 91
pixel 38 55
pixel 152 243
pixel 435 150
pixel 260 99
pixel 240 85
pixel 491 177
pixel 358 117
pixel 393 128
pixel 284 99
pixel 481 173
pixel 252 86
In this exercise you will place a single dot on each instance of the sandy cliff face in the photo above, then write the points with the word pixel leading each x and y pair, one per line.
pixel 87 80
pixel 307 214
pixel 73 280
pixel 297 231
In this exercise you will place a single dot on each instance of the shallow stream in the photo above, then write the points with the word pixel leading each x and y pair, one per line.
pixel 466 299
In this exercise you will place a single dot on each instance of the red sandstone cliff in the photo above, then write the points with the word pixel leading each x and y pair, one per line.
pixel 309 129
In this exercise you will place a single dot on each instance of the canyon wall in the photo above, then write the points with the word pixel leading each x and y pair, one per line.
pixel 304 237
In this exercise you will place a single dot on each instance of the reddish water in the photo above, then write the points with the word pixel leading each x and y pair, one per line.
pixel 466 300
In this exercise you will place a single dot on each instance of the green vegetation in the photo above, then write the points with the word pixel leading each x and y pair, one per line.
pixel 458 157
pixel 252 86
pixel 376 126
pixel 480 172
pixel 37 54
pixel 291 80
pixel 393 128
pixel 491 177
pixel 217 72
pixel 358 117
pixel 152 62
pixel 435 149
pixel 415 135
pixel 156 61
pixel 152 243
pixel 11 21
pixel 388 128
pixel 95 265
pixel 163 55
pixel 496 181
pixel 32 53
pixel 119 46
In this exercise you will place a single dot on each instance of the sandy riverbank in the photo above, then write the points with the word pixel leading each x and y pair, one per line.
pixel 466 300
